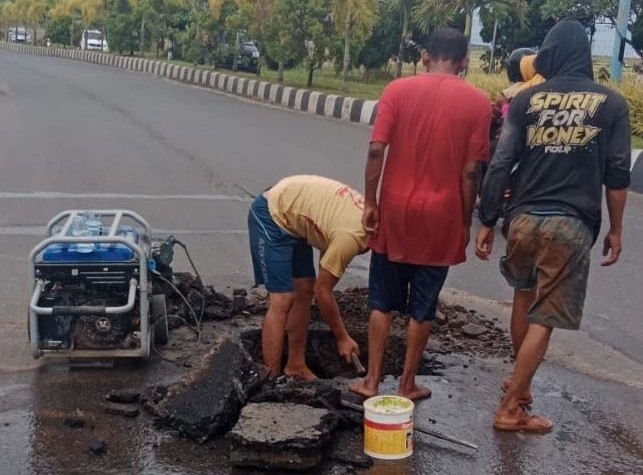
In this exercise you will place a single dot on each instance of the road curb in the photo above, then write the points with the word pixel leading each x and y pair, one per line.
pixel 345 108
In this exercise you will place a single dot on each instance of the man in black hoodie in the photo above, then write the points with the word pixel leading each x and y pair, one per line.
pixel 568 137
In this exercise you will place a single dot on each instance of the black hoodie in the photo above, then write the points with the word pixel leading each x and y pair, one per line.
pixel 568 137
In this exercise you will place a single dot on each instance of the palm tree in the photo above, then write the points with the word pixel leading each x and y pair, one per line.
pixel 429 14
pixel 9 14
pixel 348 16
pixel 405 6
pixel 71 9
pixel 37 15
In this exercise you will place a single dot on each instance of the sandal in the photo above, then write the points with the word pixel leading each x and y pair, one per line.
pixel 523 401
pixel 525 423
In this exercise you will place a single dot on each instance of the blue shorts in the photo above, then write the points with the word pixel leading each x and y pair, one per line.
pixel 277 257
pixel 406 288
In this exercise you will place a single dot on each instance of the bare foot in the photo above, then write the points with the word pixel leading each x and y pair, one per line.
pixel 416 393
pixel 303 374
pixel 362 388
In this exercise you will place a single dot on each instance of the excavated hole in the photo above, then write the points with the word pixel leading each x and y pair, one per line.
pixel 324 361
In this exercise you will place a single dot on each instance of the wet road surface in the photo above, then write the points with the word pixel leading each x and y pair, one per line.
pixel 78 136
pixel 590 436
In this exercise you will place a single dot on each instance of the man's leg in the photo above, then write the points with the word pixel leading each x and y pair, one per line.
pixel 522 302
pixel 425 285
pixel 511 415
pixel 297 330
pixel 417 338
pixel 272 251
pixel 379 326
pixel 562 261
pixel 273 331
pixel 387 291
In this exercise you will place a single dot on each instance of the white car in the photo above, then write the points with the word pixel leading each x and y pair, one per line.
pixel 19 35
pixel 94 40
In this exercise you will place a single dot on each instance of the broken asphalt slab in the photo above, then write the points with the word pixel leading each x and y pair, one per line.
pixel 281 436
pixel 207 401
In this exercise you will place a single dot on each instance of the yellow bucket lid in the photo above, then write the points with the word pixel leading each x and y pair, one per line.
pixel 389 404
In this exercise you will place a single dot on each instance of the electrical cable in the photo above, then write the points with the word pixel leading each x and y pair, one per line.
pixel 187 253
pixel 185 300
pixel 196 272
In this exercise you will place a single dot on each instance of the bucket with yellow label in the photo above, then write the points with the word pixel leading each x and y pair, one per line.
pixel 388 427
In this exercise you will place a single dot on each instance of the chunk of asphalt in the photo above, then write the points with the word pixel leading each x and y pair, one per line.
pixel 281 436
pixel 125 410
pixel 97 447
pixel 123 396
pixel 207 401
pixel 473 330
pixel 314 393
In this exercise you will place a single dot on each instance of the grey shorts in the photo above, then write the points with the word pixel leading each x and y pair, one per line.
pixel 550 254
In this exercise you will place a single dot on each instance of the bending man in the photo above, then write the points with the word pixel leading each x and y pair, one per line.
pixel 285 223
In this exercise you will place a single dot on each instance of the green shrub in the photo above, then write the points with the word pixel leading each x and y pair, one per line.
pixel 632 90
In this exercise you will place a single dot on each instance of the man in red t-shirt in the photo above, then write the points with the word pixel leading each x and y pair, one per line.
pixel 436 128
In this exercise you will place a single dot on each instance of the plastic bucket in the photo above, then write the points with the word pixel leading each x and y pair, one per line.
pixel 388 427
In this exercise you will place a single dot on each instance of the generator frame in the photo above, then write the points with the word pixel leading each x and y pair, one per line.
pixel 142 286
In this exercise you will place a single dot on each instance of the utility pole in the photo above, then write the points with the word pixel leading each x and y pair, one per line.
pixel 492 65
pixel 620 36
pixel 237 46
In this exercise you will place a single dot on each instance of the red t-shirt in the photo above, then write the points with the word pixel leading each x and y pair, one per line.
pixel 433 124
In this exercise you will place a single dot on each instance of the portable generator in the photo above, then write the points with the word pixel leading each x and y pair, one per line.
pixel 92 287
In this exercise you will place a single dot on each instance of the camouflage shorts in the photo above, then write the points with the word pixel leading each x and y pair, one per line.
pixel 550 254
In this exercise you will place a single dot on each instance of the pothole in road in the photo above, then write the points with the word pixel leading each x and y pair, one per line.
pixel 323 359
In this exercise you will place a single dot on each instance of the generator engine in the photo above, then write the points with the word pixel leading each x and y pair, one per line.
pixel 92 287
pixel 84 331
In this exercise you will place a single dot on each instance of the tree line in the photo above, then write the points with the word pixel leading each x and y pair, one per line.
pixel 365 34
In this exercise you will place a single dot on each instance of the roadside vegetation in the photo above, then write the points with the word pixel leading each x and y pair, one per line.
pixel 352 47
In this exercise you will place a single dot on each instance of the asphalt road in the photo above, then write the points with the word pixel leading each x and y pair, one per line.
pixel 78 135
pixel 74 135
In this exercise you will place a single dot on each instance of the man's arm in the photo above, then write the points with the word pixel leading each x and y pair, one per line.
pixel 508 150
pixel 617 180
pixel 374 164
pixel 612 246
pixel 477 152
pixel 385 123
pixel 469 190
pixel 330 312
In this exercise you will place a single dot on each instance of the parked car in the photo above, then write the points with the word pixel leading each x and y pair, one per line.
pixel 248 57
pixel 18 35
pixel 94 40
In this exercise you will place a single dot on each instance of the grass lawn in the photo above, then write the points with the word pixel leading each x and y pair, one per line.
pixel 637 142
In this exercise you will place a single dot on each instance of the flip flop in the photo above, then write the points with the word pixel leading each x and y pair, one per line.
pixel 523 401
pixel 525 423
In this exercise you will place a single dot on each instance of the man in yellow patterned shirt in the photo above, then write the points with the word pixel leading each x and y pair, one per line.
pixel 285 223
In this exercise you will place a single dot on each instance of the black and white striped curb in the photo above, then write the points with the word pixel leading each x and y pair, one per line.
pixel 637 171
pixel 304 100
pixel 317 103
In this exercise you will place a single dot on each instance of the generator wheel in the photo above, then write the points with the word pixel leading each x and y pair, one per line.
pixel 159 319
